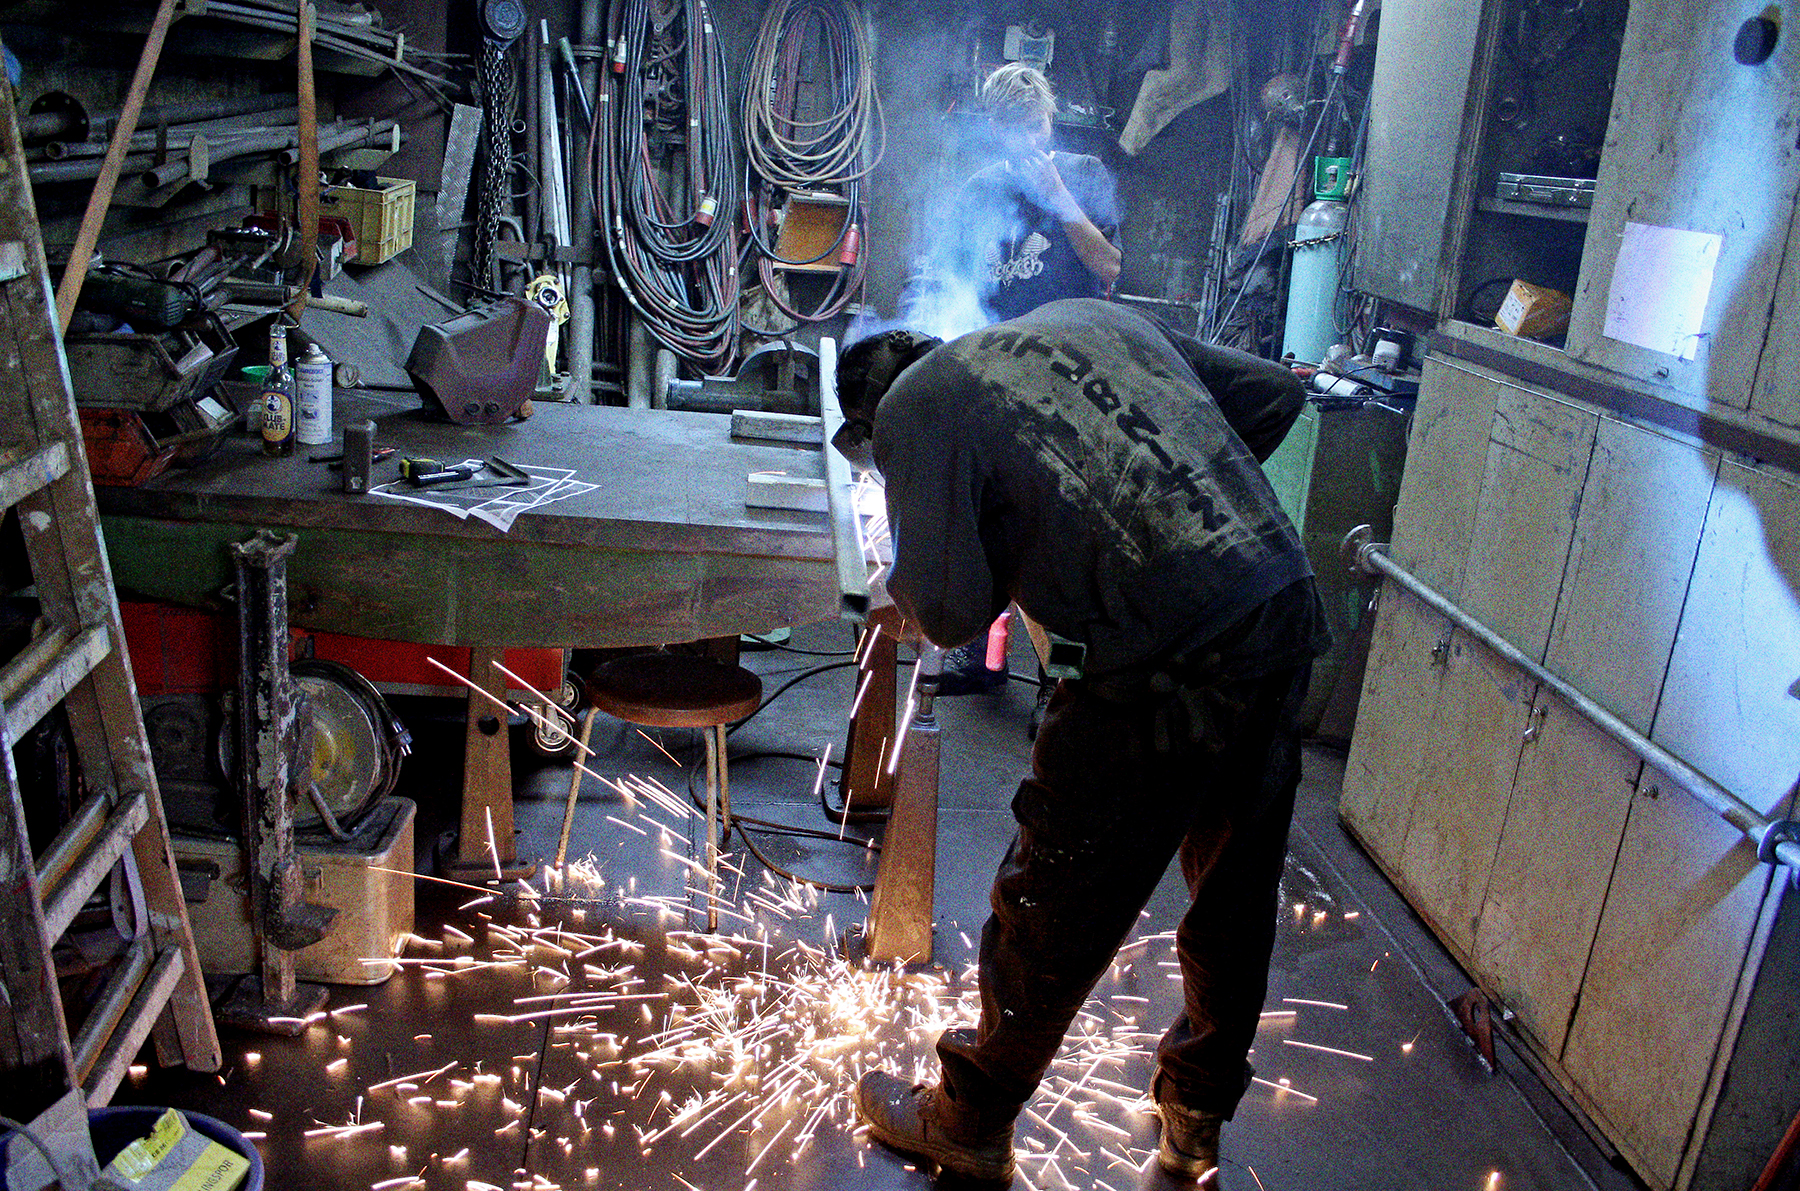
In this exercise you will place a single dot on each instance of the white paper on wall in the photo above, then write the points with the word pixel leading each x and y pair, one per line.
pixel 1660 286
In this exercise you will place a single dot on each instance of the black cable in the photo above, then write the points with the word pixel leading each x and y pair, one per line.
pixel 739 821
pixel 780 690
pixel 676 266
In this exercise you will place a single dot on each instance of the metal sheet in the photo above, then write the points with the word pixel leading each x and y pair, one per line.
pixel 1729 706
pixel 1698 142
pixel 1682 913
pixel 1552 868
pixel 1435 515
pixel 1423 65
pixel 1629 565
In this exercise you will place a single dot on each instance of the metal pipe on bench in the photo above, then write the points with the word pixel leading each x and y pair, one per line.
pixel 1777 841
pixel 852 567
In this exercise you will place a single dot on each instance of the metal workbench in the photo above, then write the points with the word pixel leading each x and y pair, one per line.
pixel 662 550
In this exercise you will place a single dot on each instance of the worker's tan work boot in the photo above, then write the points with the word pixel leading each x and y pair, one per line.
pixel 1190 1143
pixel 919 1120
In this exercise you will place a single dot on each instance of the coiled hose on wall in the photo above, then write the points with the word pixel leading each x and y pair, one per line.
pixel 831 146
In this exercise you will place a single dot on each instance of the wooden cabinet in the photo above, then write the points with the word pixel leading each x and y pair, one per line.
pixel 1626 510
pixel 1621 921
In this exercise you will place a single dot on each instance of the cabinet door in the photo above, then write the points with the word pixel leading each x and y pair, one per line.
pixel 1697 142
pixel 1434 517
pixel 1684 911
pixel 1629 567
pixel 1466 780
pixel 1423 64
pixel 1777 395
pixel 1552 868
pixel 1393 744
pixel 1537 465
pixel 1731 705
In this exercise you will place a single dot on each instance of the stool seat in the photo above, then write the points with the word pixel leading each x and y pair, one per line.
pixel 674 690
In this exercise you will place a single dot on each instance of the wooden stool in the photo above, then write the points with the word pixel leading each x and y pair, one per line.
pixel 676 690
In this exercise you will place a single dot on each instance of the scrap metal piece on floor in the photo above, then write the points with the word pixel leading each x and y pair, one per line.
pixel 900 912
pixel 251 1007
pixel 1475 1016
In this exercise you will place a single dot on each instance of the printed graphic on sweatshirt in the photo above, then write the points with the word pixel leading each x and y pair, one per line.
pixel 1026 262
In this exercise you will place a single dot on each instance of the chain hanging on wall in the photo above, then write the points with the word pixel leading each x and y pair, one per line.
pixel 503 21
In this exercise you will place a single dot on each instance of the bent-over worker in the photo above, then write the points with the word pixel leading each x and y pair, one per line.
pixel 1102 472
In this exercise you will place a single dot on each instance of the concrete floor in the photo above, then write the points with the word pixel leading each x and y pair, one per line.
pixel 673 1060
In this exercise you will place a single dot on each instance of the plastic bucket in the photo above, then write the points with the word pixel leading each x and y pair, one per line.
pixel 117 1127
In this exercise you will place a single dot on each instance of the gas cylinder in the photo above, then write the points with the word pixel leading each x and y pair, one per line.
pixel 1313 277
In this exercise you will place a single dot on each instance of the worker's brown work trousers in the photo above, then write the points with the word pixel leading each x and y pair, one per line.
pixel 1114 795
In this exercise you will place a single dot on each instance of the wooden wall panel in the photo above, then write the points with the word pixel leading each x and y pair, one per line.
pixel 1536 467
pixel 1435 514
pixel 1776 396
pixel 1731 706
pixel 1683 911
pixel 1629 565
pixel 1471 757
pixel 1552 869
pixel 1697 142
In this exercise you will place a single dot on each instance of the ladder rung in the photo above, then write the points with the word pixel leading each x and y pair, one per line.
pixel 116 1055
pixel 45 672
pixel 87 866
pixel 109 1010
pixel 21 477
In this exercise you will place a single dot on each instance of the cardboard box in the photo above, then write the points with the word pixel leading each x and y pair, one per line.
pixel 375 909
pixel 1533 311
pixel 175 1158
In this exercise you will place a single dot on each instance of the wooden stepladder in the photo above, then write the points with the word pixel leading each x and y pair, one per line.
pixel 75 658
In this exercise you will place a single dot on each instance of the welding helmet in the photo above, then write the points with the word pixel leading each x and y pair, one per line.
pixel 866 372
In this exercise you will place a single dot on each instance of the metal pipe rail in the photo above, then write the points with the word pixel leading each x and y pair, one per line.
pixel 1777 841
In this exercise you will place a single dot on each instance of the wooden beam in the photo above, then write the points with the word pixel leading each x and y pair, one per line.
pixel 307 170
pixel 69 288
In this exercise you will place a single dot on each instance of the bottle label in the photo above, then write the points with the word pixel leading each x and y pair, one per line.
pixel 278 415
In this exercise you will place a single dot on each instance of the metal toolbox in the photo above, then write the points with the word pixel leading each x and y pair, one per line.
pixel 1541 188
pixel 375 908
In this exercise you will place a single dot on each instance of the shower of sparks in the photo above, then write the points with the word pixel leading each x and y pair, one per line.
pixel 726 1056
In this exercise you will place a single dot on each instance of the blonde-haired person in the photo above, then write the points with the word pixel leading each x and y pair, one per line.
pixel 1043 224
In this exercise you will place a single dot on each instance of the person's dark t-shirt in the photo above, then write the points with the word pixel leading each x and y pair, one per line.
pixel 1019 253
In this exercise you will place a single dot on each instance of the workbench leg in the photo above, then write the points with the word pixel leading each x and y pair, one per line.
pixel 900 912
pixel 867 783
pixel 487 797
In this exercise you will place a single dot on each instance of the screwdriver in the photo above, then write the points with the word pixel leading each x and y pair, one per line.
pixel 420 472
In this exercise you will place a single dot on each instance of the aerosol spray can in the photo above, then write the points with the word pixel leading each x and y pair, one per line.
pixel 312 375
